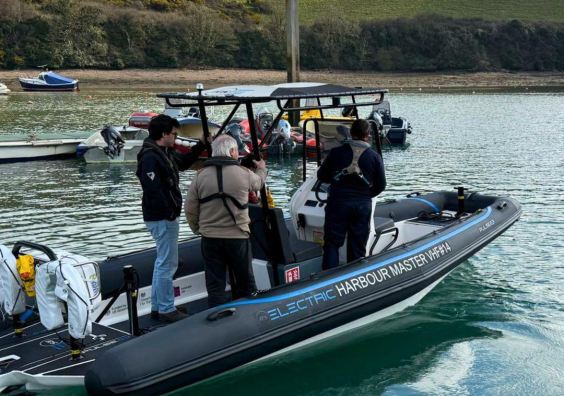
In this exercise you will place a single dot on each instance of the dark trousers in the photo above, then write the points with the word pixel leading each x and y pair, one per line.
pixel 221 255
pixel 350 219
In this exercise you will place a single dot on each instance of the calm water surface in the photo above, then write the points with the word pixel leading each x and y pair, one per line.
pixel 495 326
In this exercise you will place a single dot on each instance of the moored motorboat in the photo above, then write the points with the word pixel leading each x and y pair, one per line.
pixel 48 81
pixel 120 145
pixel 37 149
pixel 414 243
pixel 190 123
pixel 396 129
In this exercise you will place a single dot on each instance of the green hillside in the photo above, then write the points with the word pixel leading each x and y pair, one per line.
pixel 395 35
pixel 498 10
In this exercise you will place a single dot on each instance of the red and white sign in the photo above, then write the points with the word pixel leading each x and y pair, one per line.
pixel 292 274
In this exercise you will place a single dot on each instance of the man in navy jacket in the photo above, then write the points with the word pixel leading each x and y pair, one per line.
pixel 157 169
pixel 356 174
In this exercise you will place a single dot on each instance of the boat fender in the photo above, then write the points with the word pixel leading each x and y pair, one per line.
pixel 26 270
pixel 222 313
pixel 49 306
pixel 12 296
pixel 73 282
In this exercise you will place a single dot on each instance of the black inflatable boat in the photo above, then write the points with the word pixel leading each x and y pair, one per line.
pixel 414 243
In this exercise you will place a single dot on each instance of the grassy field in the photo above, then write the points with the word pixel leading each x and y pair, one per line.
pixel 500 10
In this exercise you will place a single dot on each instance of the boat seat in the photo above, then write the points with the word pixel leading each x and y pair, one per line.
pixel 384 225
pixel 279 244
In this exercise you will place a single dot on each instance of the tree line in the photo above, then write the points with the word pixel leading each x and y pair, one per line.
pixel 74 34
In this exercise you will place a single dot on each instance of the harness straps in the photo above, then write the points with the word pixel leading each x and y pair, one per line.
pixel 222 195
pixel 358 148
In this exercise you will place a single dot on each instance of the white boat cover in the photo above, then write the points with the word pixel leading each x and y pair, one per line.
pixel 72 279
pixel 12 295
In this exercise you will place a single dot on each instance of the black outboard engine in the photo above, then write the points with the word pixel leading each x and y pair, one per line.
pixel 281 141
pixel 377 124
pixel 264 120
pixel 114 141
pixel 193 112
pixel 236 132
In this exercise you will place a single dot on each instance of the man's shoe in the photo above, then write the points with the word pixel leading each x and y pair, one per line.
pixel 173 316
pixel 155 314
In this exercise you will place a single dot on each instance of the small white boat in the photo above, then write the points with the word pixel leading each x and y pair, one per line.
pixel 33 149
pixel 4 89
pixel 112 144
pixel 120 145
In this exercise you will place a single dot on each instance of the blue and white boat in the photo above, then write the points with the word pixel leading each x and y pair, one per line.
pixel 49 81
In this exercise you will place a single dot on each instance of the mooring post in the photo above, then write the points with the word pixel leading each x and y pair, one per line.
pixel 293 53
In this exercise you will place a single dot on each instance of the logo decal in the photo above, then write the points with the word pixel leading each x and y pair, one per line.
pixel 96 337
pixel 151 175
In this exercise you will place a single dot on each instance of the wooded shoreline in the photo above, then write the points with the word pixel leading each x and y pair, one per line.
pixel 186 79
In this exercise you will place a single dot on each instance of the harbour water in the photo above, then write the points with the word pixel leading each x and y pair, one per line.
pixel 495 326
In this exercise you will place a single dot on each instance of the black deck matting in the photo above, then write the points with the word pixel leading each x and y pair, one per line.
pixel 41 351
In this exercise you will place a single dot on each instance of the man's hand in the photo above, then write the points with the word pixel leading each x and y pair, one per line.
pixel 260 164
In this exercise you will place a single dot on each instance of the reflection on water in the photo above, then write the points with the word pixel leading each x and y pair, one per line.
pixel 494 326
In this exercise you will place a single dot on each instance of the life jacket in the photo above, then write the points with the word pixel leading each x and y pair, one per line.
pixel 358 148
pixel 219 163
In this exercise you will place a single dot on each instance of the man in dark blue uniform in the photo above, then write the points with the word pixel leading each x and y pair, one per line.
pixel 356 174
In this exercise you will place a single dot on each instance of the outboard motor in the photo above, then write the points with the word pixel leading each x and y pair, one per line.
pixel 236 132
pixel 282 138
pixel 264 120
pixel 377 125
pixel 193 112
pixel 114 141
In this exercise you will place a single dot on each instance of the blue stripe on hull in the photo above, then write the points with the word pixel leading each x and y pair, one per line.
pixel 360 271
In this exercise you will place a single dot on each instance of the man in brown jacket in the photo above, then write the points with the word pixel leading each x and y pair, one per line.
pixel 216 208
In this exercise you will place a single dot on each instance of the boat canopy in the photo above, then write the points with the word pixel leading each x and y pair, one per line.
pixel 266 93
pixel 54 78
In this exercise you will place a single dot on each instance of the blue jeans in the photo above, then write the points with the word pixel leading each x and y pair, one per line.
pixel 165 234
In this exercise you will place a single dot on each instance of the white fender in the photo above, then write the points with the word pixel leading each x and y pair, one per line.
pixel 12 295
pixel 74 280
pixel 50 307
